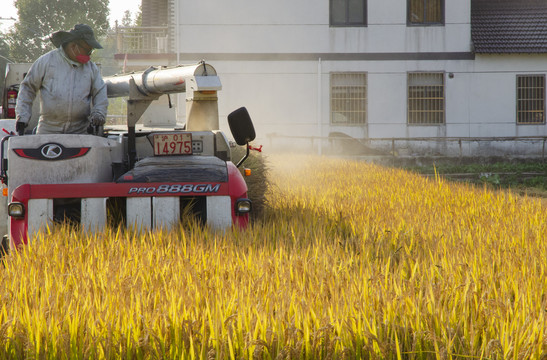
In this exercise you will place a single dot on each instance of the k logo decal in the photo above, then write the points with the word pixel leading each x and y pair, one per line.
pixel 51 151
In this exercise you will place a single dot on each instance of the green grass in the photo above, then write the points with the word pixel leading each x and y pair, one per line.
pixel 524 177
pixel 478 168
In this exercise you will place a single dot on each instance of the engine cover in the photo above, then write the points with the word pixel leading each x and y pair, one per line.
pixel 186 168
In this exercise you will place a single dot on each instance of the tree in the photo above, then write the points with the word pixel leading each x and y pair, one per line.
pixel 126 20
pixel 29 38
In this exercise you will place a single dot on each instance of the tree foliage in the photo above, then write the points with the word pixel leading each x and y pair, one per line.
pixel 38 18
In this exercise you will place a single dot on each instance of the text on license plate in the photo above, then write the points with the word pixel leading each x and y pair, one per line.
pixel 173 144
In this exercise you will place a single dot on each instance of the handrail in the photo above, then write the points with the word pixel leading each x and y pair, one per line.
pixel 394 140
pixel 437 138
pixel 142 39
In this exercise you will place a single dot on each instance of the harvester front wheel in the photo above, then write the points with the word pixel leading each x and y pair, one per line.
pixel 4 246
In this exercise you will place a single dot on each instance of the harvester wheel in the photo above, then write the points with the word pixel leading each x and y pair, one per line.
pixel 4 246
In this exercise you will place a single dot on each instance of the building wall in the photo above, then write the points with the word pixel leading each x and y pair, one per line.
pixel 275 58
pixel 241 26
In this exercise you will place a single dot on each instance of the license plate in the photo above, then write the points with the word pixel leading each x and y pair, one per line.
pixel 173 144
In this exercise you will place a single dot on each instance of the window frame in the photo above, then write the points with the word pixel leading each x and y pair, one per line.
pixel 332 99
pixel 425 23
pixel 347 23
pixel 519 111
pixel 423 99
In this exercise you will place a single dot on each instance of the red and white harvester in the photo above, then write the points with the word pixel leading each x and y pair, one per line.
pixel 146 177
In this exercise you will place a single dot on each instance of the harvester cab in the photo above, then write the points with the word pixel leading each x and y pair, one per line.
pixel 142 177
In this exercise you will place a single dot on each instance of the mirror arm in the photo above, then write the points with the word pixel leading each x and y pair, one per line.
pixel 244 158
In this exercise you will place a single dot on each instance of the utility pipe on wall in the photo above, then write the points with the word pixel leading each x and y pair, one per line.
pixel 319 105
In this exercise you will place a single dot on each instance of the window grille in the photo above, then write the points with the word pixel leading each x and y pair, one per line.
pixel 348 12
pixel 425 12
pixel 426 98
pixel 530 99
pixel 348 98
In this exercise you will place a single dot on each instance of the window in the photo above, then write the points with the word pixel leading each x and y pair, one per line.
pixel 530 99
pixel 348 12
pixel 425 12
pixel 348 98
pixel 425 98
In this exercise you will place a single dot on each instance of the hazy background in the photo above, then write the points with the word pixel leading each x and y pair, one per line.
pixel 117 10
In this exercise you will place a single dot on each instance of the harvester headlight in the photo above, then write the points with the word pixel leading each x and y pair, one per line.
pixel 16 210
pixel 243 206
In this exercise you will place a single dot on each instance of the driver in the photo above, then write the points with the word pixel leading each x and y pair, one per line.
pixel 72 91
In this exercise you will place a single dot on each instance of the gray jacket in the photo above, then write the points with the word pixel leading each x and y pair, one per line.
pixel 69 93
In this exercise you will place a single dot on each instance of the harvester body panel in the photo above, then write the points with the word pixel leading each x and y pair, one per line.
pixel 146 178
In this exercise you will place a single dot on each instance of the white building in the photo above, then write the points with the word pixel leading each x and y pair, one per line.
pixel 371 69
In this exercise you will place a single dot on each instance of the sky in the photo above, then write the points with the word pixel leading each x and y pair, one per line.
pixel 117 9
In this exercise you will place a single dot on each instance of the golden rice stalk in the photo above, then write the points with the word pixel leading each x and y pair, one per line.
pixel 351 260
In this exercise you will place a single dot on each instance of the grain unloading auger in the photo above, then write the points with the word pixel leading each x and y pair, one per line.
pixel 146 177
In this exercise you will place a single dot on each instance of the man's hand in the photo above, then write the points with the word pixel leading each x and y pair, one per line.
pixel 20 127
pixel 96 120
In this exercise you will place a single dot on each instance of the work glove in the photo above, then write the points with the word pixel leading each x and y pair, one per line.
pixel 96 120
pixel 20 127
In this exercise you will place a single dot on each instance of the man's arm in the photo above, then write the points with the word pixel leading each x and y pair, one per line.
pixel 27 92
pixel 99 97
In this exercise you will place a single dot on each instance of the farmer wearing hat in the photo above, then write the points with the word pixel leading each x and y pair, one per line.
pixel 72 91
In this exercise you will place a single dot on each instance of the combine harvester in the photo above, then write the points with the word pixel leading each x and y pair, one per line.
pixel 146 177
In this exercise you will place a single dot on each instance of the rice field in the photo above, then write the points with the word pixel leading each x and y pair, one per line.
pixel 350 261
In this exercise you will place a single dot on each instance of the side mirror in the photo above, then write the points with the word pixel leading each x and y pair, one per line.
pixel 241 126
pixel 242 129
